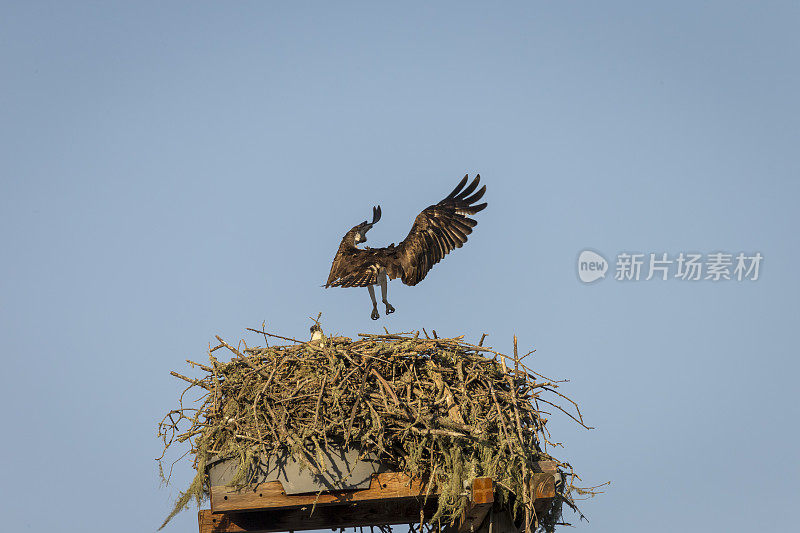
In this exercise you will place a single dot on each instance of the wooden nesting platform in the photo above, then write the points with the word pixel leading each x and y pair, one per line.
pixel 392 498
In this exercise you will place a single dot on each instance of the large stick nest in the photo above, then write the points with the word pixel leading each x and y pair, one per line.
pixel 442 410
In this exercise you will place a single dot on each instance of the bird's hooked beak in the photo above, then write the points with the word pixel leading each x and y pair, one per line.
pixel 361 234
pixel 365 226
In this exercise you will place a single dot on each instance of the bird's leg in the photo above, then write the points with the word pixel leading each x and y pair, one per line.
pixel 374 315
pixel 382 281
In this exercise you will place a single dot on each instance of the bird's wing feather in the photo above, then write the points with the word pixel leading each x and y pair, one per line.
pixel 436 231
pixel 354 268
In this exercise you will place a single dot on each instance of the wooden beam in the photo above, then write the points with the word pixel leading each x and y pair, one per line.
pixel 544 486
pixel 548 467
pixel 479 505
pixel 392 498
pixel 370 513
pixel 483 498
pixel 270 495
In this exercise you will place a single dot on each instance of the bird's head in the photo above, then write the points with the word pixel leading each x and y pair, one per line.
pixel 362 229
pixel 316 332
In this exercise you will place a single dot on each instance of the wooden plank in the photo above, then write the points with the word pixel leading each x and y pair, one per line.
pixel 544 486
pixel 548 467
pixel 483 498
pixel 482 491
pixel 544 491
pixel 270 495
pixel 392 498
pixel 368 513
pixel 479 505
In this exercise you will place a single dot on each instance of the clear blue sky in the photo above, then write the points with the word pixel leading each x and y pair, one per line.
pixel 172 172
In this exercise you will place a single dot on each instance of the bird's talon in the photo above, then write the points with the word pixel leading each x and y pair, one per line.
pixel 374 315
pixel 389 309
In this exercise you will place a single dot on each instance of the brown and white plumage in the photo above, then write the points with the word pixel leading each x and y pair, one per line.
pixel 437 230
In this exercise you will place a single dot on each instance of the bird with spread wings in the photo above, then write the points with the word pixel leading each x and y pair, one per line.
pixel 436 231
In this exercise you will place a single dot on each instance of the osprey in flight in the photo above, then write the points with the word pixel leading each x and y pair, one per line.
pixel 435 232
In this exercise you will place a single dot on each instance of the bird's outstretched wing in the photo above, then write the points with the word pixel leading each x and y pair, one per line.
pixel 437 230
pixel 354 268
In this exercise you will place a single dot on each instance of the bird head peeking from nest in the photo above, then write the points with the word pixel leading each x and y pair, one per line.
pixel 316 334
